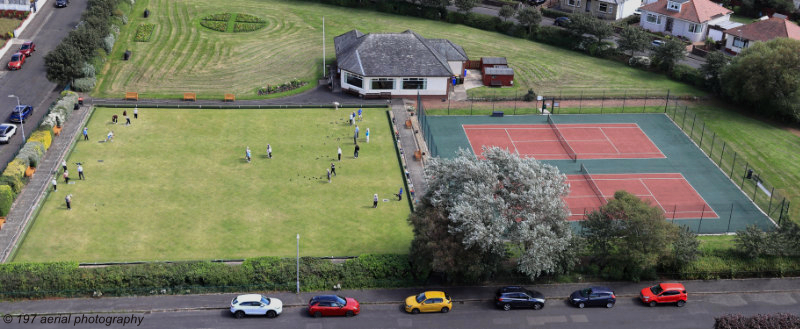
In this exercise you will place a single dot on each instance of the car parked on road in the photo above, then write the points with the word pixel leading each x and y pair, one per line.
pixel 561 21
pixel 429 301
pixel 16 61
pixel 510 297
pixel 333 305
pixel 61 3
pixel 20 113
pixel 255 304
pixel 593 296
pixel 664 293
pixel 6 132
pixel 27 48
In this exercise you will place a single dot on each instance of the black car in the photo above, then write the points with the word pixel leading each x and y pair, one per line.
pixel 593 296
pixel 518 297
pixel 61 3
pixel 561 21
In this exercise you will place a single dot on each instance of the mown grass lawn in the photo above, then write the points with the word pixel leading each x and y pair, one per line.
pixel 183 56
pixel 768 148
pixel 175 186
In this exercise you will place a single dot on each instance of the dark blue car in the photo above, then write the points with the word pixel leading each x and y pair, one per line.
pixel 593 296
pixel 561 21
pixel 20 113
pixel 61 3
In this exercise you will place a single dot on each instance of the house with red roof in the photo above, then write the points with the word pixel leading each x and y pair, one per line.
pixel 743 36
pixel 686 18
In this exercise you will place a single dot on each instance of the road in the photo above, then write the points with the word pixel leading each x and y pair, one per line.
pixel 628 313
pixel 30 83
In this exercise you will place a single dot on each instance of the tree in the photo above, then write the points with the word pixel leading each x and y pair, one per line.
pixel 475 211
pixel 766 77
pixel 754 242
pixel 712 70
pixel 628 236
pixel 632 39
pixel 668 54
pixel 685 248
pixel 435 3
pixel 62 63
pixel 581 24
pixel 529 17
pixel 464 6
pixel 506 11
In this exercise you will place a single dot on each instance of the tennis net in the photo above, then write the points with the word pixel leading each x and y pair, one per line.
pixel 593 185
pixel 570 152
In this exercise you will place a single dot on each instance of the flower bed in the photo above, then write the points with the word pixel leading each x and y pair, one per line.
pixel 247 27
pixel 248 18
pixel 294 84
pixel 215 25
pixel 218 17
pixel 144 32
pixel 241 22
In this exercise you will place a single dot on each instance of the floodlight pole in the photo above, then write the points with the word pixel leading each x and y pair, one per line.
pixel 298 263
pixel 323 47
pixel 21 120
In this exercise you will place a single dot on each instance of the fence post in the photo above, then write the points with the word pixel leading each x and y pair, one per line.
pixel 691 133
pixel 470 107
pixel 683 123
pixel 755 190
pixel 602 102
pixel 699 225
pixel 746 166
pixel 494 99
pixel 711 153
pixel 702 133
pixel 729 219
pixel 674 210
pixel 667 104
pixel 645 101
pixel 580 103
pixel 515 102
pixel 703 212
pixel 732 165
pixel 769 207
pixel 624 98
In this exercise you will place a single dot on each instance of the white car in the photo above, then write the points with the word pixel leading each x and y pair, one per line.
pixel 255 304
pixel 6 132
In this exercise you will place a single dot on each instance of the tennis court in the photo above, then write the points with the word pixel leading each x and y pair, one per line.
pixel 644 154
pixel 668 191
pixel 566 141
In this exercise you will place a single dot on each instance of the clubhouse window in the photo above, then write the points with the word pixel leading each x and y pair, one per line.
pixel 574 3
pixel 354 80
pixel 739 42
pixel 382 84
pixel 654 18
pixel 415 83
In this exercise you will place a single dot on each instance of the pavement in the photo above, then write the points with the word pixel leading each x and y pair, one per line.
pixel 174 303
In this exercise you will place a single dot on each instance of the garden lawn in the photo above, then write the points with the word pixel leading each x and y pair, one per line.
pixel 175 185
pixel 183 56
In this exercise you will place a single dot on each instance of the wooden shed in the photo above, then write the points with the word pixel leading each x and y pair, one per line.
pixel 498 76
pixel 487 62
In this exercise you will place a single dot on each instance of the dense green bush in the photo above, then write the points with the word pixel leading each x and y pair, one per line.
pixel 33 151
pixel 687 74
pixel 108 42
pixel 761 321
pixel 7 197
pixel 84 84
pixel 555 36
pixel 37 280
pixel 43 137
pixel 14 174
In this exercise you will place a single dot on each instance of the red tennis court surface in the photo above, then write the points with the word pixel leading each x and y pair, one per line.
pixel 589 141
pixel 671 192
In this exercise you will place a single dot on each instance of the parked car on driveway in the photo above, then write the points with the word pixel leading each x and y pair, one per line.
pixel 657 43
pixel 16 61
pixel 255 304
pixel 429 301
pixel 20 113
pixel 593 296
pixel 332 305
pixel 27 48
pixel 561 21
pixel 510 297
pixel 6 132
pixel 664 293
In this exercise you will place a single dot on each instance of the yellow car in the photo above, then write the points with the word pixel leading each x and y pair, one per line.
pixel 429 301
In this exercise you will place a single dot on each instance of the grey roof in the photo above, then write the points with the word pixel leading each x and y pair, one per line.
pixel 404 54
pixel 450 51
pixel 494 60
pixel 499 71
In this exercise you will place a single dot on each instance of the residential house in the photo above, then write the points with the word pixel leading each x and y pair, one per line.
pixel 741 37
pixel 397 64
pixel 686 18
pixel 603 9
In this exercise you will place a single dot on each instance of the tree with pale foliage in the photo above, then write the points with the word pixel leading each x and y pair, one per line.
pixel 530 17
pixel 633 39
pixel 478 211
pixel 465 6
pixel 506 12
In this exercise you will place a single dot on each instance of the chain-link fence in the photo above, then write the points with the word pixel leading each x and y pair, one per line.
pixel 737 168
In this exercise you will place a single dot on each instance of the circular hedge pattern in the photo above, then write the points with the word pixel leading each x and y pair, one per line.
pixel 228 22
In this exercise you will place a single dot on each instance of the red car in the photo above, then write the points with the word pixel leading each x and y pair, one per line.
pixel 16 61
pixel 329 305
pixel 664 293
pixel 27 48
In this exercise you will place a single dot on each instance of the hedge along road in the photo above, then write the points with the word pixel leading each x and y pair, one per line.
pixel 183 56
pixel 48 27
